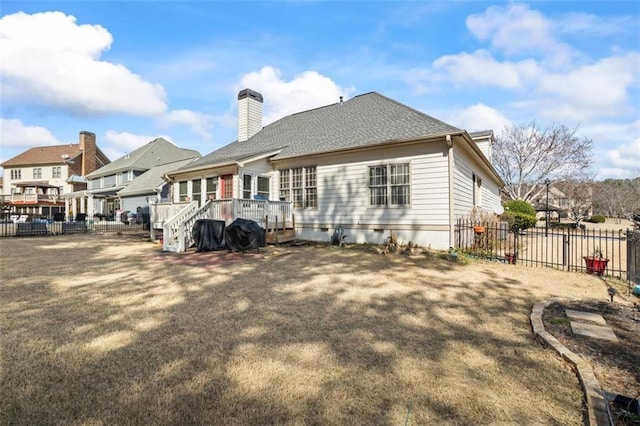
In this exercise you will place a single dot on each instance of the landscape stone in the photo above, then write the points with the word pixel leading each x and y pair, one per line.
pixel 592 330
pixel 585 316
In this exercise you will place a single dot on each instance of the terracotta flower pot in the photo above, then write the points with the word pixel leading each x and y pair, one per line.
pixel 478 229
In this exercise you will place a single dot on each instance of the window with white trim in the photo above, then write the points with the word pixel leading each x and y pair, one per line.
pixel 37 172
pixel 182 191
pixel 56 172
pixel 246 187
pixel 263 186
pixel 16 174
pixel 212 188
pixel 476 190
pixel 299 185
pixel 390 185
pixel 196 190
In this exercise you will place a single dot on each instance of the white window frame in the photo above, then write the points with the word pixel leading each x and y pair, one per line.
pixel 383 191
pixel 299 185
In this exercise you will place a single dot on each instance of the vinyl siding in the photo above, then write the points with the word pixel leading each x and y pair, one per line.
pixel 343 192
pixel 464 169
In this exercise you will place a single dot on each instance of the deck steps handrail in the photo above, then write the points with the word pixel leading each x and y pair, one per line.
pixel 174 229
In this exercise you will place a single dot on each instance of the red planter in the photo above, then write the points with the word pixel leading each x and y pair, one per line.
pixel 596 265
pixel 511 258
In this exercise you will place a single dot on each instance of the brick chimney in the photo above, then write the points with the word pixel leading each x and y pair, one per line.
pixel 89 152
pixel 249 114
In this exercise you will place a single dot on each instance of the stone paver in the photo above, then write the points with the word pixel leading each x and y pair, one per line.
pixel 585 316
pixel 595 331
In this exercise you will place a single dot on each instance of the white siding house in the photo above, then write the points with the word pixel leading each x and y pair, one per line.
pixel 369 165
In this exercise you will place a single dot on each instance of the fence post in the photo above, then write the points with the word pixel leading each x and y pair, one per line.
pixel 565 250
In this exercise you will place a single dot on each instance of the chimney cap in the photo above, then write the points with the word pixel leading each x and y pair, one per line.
pixel 248 93
pixel 85 132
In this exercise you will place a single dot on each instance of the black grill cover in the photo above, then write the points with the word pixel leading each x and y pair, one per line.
pixel 208 234
pixel 244 235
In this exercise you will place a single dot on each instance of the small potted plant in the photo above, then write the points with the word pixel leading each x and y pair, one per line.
pixel 511 249
pixel 596 264
pixel 478 219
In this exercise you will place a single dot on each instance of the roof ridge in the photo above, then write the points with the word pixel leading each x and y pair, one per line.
pixel 417 111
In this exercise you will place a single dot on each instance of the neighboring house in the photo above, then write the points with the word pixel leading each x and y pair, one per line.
pixel 36 181
pixel 130 181
pixel 369 165
pixel 566 200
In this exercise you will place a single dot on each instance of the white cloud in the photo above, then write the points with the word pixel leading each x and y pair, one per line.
pixel 15 133
pixel 127 142
pixel 597 89
pixel 481 67
pixel 516 30
pixel 512 29
pixel 49 59
pixel 281 98
pixel 480 117
pixel 198 122
pixel 626 156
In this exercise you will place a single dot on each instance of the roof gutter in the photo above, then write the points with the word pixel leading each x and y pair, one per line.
pixel 204 167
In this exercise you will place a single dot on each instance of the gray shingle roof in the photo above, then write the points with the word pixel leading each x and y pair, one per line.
pixel 151 179
pixel 157 152
pixel 366 119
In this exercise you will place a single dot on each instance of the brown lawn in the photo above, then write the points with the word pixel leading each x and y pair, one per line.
pixel 110 330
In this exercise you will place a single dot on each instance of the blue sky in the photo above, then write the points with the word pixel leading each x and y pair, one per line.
pixel 131 71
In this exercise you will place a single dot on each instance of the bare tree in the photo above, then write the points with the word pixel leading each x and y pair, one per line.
pixel 617 198
pixel 579 198
pixel 526 155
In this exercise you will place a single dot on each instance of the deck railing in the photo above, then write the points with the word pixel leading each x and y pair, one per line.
pixel 177 230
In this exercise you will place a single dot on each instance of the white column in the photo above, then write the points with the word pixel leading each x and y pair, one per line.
pixel 90 206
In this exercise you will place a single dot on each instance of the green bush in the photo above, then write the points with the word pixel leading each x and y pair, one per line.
pixel 523 221
pixel 519 214
pixel 519 206
pixel 596 218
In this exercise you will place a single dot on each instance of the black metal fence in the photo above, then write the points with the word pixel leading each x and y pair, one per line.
pixel 31 226
pixel 602 252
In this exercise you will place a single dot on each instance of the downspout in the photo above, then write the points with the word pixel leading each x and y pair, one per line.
pixel 451 181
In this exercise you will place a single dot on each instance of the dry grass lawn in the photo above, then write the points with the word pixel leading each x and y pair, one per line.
pixel 108 330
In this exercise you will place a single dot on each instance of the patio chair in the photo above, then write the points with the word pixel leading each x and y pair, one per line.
pixel 81 217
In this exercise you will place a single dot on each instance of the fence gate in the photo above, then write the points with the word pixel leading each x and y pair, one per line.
pixel 633 256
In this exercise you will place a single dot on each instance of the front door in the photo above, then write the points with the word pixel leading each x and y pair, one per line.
pixel 226 187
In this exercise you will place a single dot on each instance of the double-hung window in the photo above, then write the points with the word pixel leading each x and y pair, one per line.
pixel 196 190
pixel 390 185
pixel 299 185
pixel 246 187
pixel 56 172
pixel 182 191
pixel 212 188
pixel 37 172
pixel 263 187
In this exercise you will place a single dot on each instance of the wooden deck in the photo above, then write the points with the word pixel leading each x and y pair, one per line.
pixel 280 236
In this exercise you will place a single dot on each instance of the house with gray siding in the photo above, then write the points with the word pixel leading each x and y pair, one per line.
pixel 369 165
pixel 134 179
